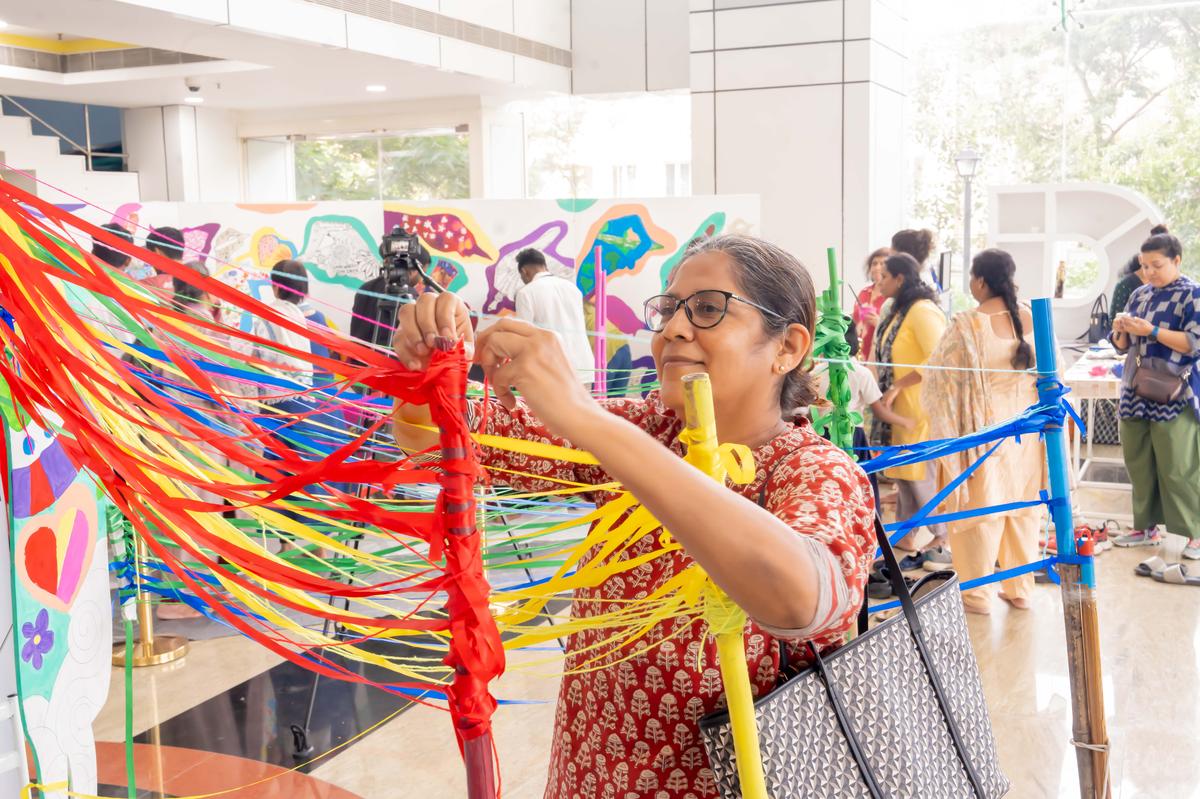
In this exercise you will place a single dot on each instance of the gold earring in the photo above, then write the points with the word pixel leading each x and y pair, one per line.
pixel 782 368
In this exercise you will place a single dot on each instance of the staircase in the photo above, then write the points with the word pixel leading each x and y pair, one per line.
pixel 21 149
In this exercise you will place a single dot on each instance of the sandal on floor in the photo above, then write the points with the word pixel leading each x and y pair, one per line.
pixel 1150 567
pixel 1177 574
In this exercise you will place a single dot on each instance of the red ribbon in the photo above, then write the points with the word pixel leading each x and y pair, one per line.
pixel 45 372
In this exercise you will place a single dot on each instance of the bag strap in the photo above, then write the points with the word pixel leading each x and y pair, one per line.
pixel 900 589
pixel 902 592
pixel 843 720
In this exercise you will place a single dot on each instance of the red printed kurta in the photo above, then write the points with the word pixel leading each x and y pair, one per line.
pixel 630 729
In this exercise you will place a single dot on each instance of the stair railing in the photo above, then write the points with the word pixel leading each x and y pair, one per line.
pixel 86 148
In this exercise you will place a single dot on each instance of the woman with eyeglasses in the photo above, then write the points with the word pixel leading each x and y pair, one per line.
pixel 907 336
pixel 792 548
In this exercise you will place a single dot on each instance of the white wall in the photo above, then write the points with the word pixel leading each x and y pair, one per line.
pixel 270 171
pixel 546 21
pixel 219 153
pixel 802 103
pixel 629 45
pixel 147 151
pixel 184 153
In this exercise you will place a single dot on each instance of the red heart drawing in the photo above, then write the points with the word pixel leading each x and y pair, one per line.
pixel 41 559
pixel 54 548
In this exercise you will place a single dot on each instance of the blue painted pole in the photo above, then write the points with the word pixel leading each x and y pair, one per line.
pixel 1080 617
pixel 1056 439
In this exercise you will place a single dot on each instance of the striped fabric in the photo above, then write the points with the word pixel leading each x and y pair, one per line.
pixel 1175 306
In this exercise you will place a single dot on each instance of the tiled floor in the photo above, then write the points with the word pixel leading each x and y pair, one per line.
pixel 1150 640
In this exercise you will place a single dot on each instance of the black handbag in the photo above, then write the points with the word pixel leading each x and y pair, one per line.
pixel 898 711
pixel 1100 325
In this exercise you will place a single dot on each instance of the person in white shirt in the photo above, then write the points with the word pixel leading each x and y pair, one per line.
pixel 554 303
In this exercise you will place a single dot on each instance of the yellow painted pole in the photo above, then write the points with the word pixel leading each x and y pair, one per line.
pixel 726 620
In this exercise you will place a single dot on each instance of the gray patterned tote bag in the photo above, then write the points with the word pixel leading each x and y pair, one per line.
pixel 897 713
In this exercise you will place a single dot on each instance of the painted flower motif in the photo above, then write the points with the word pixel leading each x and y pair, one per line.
pixel 39 639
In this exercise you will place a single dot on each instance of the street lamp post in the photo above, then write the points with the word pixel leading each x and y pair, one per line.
pixel 966 163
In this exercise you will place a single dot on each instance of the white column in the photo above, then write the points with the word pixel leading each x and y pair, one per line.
pixel 184 153
pixel 803 104
pixel 502 148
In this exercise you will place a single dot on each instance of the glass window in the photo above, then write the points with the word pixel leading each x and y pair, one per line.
pixel 418 166
pixel 630 145
pixel 429 166
pixel 337 169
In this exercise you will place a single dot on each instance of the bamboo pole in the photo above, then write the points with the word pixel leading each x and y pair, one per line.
pixel 1078 584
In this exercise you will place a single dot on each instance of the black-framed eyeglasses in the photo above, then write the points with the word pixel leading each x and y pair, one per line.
pixel 704 309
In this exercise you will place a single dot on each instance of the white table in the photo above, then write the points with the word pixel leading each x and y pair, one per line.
pixel 1086 386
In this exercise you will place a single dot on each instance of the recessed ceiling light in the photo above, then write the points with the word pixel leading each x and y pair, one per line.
pixel 376 87
pixel 193 99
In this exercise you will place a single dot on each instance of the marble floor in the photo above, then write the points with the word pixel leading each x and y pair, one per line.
pixel 1151 657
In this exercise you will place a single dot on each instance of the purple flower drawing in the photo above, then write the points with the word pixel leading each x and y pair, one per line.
pixel 39 639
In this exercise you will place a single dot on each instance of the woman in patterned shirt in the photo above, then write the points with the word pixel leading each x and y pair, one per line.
pixel 1161 441
pixel 792 548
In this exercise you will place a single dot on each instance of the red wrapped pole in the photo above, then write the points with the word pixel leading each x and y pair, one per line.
pixel 476 653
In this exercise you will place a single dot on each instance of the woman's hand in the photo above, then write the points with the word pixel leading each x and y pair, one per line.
pixel 1136 326
pixel 906 423
pixel 515 354
pixel 871 317
pixel 420 324
pixel 889 397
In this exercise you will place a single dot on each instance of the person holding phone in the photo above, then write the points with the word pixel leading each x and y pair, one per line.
pixel 1160 397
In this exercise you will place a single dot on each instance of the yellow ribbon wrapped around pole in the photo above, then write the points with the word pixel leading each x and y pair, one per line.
pixel 726 620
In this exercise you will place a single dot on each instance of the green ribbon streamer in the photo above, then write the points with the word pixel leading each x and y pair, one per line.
pixel 829 343
pixel 130 774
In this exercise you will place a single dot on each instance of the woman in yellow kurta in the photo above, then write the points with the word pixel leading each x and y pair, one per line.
pixel 907 337
pixel 991 345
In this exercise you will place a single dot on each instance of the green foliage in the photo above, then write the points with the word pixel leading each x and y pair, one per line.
pixel 426 167
pixel 1127 99
pixel 337 169
pixel 420 167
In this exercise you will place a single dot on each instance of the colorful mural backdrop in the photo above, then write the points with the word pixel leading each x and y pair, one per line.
pixel 61 612
pixel 473 244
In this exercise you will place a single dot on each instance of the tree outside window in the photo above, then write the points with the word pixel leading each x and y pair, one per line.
pixel 419 166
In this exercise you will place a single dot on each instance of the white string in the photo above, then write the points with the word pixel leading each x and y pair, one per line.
pixel 931 367
pixel 1102 749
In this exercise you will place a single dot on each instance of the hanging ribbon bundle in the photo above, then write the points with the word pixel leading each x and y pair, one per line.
pixel 141 386
pixel 178 415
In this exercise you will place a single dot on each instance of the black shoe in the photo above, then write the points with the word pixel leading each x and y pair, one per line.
pixel 910 563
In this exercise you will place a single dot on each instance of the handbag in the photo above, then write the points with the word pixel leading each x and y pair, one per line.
pixel 1158 383
pixel 1100 325
pixel 897 712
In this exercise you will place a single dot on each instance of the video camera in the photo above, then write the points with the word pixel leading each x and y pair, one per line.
pixel 400 252
pixel 403 254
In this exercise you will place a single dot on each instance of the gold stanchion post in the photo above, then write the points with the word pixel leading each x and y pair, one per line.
pixel 148 650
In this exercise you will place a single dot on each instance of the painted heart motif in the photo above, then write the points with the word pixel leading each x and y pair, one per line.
pixel 54 549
